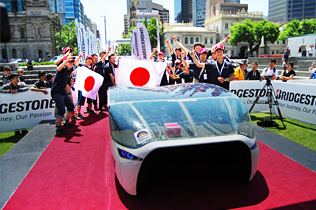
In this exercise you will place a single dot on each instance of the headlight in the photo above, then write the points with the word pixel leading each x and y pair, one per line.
pixel 254 146
pixel 127 155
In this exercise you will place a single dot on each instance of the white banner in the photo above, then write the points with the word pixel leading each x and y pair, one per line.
pixel 25 110
pixel 136 41
pixel 158 36
pixel 79 41
pixel 143 42
pixel 296 101
pixel 84 45
pixel 132 44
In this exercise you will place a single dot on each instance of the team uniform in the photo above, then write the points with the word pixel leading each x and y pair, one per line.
pixel 214 70
pixel 59 94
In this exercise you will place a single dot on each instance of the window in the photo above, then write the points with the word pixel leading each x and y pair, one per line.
pixel 226 25
pixel 14 53
pixel 3 54
pixel 186 40
pixel 22 33
pixel 272 52
pixel 278 42
pixel 197 39
pixel 40 53
pixel 191 40
pixel 205 41
pixel 171 41
pixel 232 53
pixel 211 41
pixel 283 41
pixel 24 52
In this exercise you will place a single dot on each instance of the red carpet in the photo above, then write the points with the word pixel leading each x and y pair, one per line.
pixel 76 172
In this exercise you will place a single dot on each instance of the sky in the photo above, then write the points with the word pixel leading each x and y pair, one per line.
pixel 114 11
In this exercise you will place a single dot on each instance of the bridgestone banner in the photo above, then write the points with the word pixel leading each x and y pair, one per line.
pixel 25 110
pixel 135 43
pixel 79 41
pixel 143 42
pixel 296 101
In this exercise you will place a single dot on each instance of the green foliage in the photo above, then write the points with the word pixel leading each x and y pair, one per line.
pixel 38 64
pixel 298 28
pixel 252 32
pixel 151 26
pixel 68 37
pixel 124 49
pixel 152 32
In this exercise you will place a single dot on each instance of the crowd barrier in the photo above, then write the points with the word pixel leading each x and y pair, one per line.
pixel 297 101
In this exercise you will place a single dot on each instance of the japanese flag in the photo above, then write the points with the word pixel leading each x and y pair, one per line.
pixel 139 73
pixel 88 82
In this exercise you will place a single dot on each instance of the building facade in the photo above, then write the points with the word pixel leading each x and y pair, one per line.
pixel 221 16
pixel 139 11
pixel 199 7
pixel 33 30
pixel 287 10
pixel 58 7
pixel 187 35
pixel 183 11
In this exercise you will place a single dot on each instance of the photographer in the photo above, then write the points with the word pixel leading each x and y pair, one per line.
pixel 270 71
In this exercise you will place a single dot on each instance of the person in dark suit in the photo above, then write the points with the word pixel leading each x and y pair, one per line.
pixel 108 74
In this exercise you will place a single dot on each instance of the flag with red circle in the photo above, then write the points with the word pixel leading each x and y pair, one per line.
pixel 139 73
pixel 88 82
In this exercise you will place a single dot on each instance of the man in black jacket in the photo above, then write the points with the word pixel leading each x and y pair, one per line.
pixel 108 74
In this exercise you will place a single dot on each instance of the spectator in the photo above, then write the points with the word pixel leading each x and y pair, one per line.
pixel 313 71
pixel 7 71
pixel 43 60
pixel 60 96
pixel 20 73
pixel 49 78
pixel 14 87
pixel 303 49
pixel 254 74
pixel 41 85
pixel 310 50
pixel 241 71
pixel 108 81
pixel 285 59
pixel 271 70
pixel 288 51
pixel 29 65
pixel 289 73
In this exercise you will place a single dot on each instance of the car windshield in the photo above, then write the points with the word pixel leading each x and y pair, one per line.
pixel 135 124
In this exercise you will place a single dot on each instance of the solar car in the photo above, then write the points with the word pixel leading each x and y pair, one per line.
pixel 179 124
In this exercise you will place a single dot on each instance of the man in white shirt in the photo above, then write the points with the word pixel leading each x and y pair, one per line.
pixel 313 71
pixel 270 71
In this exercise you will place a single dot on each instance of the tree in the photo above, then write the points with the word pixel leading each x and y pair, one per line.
pixel 68 37
pixel 152 32
pixel 151 26
pixel 124 49
pixel 297 28
pixel 252 33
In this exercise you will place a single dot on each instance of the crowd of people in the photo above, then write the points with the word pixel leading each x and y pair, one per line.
pixel 206 66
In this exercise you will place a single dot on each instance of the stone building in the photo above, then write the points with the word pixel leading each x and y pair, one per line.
pixel 221 16
pixel 187 35
pixel 33 30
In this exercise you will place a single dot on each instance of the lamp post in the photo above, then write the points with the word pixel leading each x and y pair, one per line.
pixel 105 31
